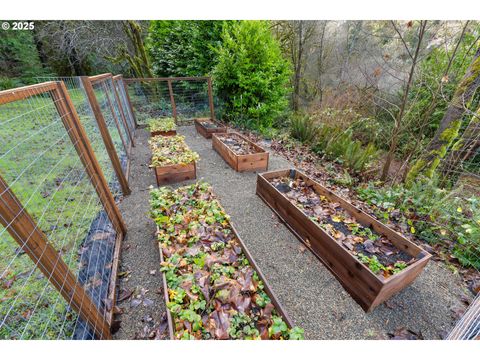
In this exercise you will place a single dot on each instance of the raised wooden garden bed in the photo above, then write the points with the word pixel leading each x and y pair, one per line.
pixel 162 126
pixel 239 152
pixel 213 287
pixel 172 159
pixel 370 260
pixel 163 133
pixel 206 127
pixel 175 173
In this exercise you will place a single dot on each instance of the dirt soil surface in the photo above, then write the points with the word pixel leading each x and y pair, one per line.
pixel 310 294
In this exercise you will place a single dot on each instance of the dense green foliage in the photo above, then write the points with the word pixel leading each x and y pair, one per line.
pixel 434 215
pixel 19 60
pixel 303 128
pixel 432 91
pixel 339 145
pixel 162 124
pixel 183 48
pixel 251 75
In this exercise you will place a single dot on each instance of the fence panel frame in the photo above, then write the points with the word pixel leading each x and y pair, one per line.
pixel 107 139
pixel 125 87
pixel 118 80
pixel 102 79
pixel 172 99
pixel 117 124
pixel 22 227
pixel 122 113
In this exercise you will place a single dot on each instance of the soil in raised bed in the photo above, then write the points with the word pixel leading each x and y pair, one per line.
pixel 238 145
pixel 208 124
pixel 371 248
pixel 214 292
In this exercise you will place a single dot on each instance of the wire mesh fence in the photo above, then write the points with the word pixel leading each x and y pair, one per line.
pixel 117 109
pixel 103 91
pixel 59 229
pixel 462 163
pixel 458 176
pixel 79 97
pixel 124 102
pixel 181 98
pixel 468 327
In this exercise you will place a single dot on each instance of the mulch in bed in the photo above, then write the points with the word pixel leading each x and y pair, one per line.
pixel 238 145
pixel 372 248
pixel 208 124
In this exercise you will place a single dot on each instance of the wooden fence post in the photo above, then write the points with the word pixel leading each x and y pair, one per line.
pixel 122 114
pixel 125 86
pixel 34 242
pixel 112 110
pixel 107 139
pixel 172 99
pixel 82 145
pixel 210 98
pixel 120 88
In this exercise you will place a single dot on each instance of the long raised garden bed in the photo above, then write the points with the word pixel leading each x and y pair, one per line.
pixel 206 127
pixel 172 159
pixel 213 287
pixel 370 260
pixel 162 126
pixel 240 153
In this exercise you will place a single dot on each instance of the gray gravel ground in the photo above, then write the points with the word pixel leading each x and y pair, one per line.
pixel 313 298
pixel 140 250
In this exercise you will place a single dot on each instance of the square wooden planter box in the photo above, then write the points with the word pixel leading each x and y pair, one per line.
pixel 207 132
pixel 163 133
pixel 281 312
pixel 247 162
pixel 175 173
pixel 367 288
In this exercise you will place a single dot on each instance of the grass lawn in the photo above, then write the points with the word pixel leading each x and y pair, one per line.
pixel 40 163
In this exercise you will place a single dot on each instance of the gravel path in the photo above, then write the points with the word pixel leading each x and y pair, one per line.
pixel 140 258
pixel 313 298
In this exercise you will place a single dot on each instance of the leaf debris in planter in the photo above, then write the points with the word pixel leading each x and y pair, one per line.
pixel 171 150
pixel 214 292
pixel 209 124
pixel 162 124
pixel 372 249
pixel 238 145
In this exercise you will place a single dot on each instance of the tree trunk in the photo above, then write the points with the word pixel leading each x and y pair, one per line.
pixel 139 60
pixel 298 68
pixel 465 147
pixel 450 125
pixel 398 120
pixel 320 63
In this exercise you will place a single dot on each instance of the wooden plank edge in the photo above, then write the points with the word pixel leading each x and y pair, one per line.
pixel 112 291
pixel 425 255
pixel 165 289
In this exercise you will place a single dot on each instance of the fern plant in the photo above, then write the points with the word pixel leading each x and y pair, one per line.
pixel 303 128
pixel 339 145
